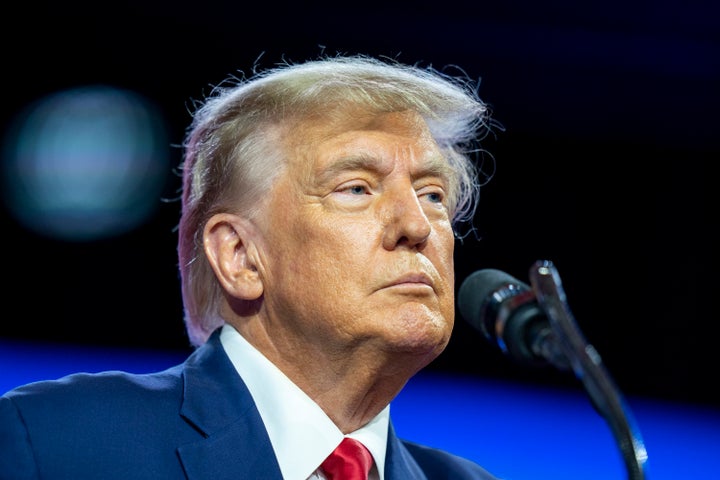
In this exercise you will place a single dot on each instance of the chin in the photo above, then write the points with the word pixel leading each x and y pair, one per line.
pixel 422 335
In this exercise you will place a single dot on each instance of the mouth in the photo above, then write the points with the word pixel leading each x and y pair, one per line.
pixel 412 281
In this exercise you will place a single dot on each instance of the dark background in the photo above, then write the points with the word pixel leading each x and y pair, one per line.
pixel 610 115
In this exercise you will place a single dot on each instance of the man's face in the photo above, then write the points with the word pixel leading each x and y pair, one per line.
pixel 358 240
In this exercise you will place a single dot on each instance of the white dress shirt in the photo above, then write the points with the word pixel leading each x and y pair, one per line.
pixel 301 434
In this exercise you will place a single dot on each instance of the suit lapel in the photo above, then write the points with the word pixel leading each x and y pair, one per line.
pixel 235 444
pixel 217 403
pixel 399 463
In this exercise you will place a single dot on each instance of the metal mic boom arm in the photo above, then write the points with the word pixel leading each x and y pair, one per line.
pixel 587 366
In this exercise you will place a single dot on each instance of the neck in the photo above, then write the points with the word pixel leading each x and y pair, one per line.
pixel 352 384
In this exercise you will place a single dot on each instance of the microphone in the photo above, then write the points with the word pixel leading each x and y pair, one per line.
pixel 505 310
pixel 535 326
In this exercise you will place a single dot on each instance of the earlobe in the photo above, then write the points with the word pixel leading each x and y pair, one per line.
pixel 228 242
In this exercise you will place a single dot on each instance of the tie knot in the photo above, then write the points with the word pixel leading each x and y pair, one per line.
pixel 349 461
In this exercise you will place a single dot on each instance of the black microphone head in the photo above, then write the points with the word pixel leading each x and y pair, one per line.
pixel 478 289
pixel 505 311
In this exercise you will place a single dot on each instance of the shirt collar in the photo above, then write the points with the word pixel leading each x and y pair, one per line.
pixel 301 434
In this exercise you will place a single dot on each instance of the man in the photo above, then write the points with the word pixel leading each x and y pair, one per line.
pixel 316 255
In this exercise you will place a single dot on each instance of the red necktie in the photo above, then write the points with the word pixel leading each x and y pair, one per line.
pixel 349 461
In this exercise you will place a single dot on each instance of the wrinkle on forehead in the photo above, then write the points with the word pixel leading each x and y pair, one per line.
pixel 406 123
pixel 317 127
pixel 303 138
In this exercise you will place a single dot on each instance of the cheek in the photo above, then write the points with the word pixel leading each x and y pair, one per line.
pixel 445 264
pixel 329 248
pixel 340 253
pixel 446 250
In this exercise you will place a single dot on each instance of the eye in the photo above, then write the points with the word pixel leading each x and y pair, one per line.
pixel 434 197
pixel 354 189
pixel 431 194
pixel 357 189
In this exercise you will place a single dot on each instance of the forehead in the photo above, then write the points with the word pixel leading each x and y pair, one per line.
pixel 318 141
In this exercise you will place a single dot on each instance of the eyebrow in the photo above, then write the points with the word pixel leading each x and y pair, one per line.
pixel 435 166
pixel 358 161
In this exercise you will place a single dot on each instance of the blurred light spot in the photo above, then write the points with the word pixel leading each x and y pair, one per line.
pixel 85 163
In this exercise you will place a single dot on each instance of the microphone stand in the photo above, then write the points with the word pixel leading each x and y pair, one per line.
pixel 587 366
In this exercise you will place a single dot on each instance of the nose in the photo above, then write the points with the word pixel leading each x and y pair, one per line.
pixel 406 223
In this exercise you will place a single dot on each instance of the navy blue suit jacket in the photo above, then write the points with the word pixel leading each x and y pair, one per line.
pixel 194 421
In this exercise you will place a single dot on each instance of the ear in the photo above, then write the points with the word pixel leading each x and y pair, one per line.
pixel 230 248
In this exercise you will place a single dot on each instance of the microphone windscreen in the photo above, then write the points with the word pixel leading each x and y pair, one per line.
pixel 477 289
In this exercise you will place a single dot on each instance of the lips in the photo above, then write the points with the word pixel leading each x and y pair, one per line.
pixel 412 279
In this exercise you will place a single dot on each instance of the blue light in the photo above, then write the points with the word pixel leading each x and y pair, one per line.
pixel 85 163
pixel 516 431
